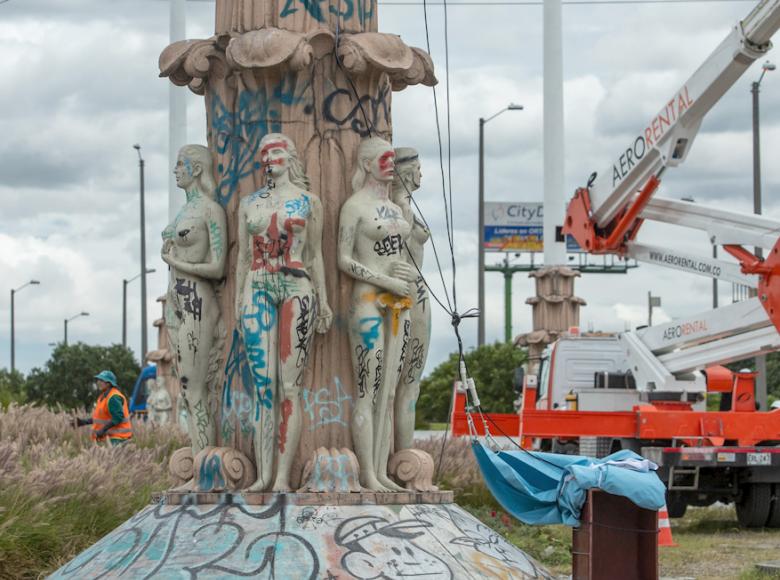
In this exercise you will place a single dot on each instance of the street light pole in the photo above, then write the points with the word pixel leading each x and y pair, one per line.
pixel 143 256
pixel 125 282
pixel 74 317
pixel 481 214
pixel 13 322
pixel 761 395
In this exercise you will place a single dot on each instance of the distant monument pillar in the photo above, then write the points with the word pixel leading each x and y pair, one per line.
pixel 555 310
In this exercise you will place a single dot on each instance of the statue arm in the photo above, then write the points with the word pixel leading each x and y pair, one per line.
pixel 317 266
pixel 242 260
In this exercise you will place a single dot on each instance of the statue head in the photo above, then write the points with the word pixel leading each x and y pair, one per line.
pixel 375 158
pixel 407 170
pixel 278 155
pixel 194 170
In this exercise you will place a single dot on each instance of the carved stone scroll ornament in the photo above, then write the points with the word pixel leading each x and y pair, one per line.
pixel 331 470
pixel 414 469
pixel 195 248
pixel 281 300
pixel 189 62
pixel 220 469
pixel 372 234
pixel 181 465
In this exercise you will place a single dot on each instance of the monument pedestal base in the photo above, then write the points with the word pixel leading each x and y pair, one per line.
pixel 292 536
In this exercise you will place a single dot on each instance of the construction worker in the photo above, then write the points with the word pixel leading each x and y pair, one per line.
pixel 111 419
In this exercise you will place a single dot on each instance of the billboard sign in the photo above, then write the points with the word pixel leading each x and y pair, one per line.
pixel 513 227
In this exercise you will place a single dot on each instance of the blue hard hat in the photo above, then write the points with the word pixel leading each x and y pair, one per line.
pixel 107 376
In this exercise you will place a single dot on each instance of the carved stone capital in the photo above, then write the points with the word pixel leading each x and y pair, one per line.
pixel 412 468
pixel 331 470
pixel 190 62
pixel 268 48
pixel 367 52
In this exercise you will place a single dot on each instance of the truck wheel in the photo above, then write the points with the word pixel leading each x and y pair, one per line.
pixel 676 507
pixel 774 513
pixel 753 506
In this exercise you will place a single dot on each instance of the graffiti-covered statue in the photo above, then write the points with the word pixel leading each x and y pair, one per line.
pixel 406 182
pixel 281 301
pixel 158 402
pixel 372 234
pixel 195 246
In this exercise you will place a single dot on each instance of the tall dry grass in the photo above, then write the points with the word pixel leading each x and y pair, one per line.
pixel 60 493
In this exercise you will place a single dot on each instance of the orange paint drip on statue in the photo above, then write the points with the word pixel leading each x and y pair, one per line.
pixel 395 303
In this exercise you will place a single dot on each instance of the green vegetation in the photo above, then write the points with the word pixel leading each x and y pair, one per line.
pixel 66 379
pixel 11 387
pixel 491 365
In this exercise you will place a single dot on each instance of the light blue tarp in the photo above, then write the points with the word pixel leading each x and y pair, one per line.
pixel 548 488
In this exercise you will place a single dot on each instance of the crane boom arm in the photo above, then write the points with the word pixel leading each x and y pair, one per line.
pixel 666 139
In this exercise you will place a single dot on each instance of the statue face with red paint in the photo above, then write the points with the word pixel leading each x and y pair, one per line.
pixel 382 166
pixel 275 156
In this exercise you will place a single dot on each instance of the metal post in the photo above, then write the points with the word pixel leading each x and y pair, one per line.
pixel 124 313
pixel 481 235
pixel 507 301
pixel 761 395
pixel 714 280
pixel 66 332
pixel 143 259
pixel 177 108
pixel 554 159
pixel 13 344
pixel 649 309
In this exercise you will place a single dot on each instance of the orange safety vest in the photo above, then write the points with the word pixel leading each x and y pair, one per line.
pixel 101 417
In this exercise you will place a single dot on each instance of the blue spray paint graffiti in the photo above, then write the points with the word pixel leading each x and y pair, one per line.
pixel 369 330
pixel 210 475
pixel 332 474
pixel 256 320
pixel 365 9
pixel 325 411
pixel 298 207
pixel 236 134
pixel 237 402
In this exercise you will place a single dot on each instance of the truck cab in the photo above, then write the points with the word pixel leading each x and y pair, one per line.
pixel 593 373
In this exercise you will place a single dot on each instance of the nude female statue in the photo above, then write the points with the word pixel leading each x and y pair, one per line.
pixel 194 246
pixel 406 182
pixel 372 232
pixel 280 301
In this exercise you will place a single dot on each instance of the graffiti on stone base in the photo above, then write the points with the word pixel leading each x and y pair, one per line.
pixel 378 548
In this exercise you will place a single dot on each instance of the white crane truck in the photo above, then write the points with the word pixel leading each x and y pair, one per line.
pixel 646 389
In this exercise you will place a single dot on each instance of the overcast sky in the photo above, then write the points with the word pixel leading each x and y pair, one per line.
pixel 80 85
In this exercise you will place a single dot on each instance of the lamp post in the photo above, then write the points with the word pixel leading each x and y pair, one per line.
pixel 13 322
pixel 754 88
pixel 74 317
pixel 124 304
pixel 137 147
pixel 481 213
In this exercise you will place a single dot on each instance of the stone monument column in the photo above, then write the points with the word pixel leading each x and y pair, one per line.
pixel 322 75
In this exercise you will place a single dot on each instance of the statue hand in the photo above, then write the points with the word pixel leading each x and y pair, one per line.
pixel 403 271
pixel 324 319
pixel 399 287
